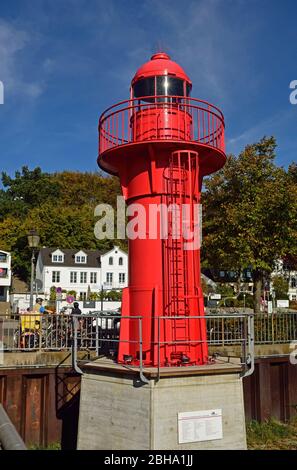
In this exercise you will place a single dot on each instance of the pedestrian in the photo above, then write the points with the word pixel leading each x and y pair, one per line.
pixel 76 310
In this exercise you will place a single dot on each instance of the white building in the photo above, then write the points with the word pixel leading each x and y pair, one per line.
pixel 81 271
pixel 289 272
pixel 5 275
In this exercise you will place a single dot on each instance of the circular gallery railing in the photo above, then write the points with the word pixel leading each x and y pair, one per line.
pixel 161 118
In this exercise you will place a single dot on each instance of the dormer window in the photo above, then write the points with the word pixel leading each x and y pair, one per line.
pixel 81 259
pixel 58 257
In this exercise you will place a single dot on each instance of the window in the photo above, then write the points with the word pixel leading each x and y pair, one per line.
pixel 160 85
pixel 56 276
pixel 170 86
pixel 83 278
pixel 3 273
pixel 120 261
pixel 110 261
pixel 145 87
pixel 73 277
pixel 93 278
pixel 3 258
pixel 82 296
pixel 122 278
pixel 293 283
pixel 57 258
pixel 80 259
pixel 109 277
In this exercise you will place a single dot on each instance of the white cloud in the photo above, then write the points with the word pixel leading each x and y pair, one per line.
pixel 14 43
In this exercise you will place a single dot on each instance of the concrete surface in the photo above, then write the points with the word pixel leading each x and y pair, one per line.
pixel 119 413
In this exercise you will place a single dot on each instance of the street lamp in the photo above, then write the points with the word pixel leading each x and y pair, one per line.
pixel 33 242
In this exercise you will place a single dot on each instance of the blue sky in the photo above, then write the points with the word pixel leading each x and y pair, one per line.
pixel 63 62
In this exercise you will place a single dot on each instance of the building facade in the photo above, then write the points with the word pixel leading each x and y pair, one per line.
pixel 5 275
pixel 289 272
pixel 82 271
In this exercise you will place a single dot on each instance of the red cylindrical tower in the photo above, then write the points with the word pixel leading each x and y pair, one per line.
pixel 161 143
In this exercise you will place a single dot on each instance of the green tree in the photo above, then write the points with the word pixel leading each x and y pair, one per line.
pixel 249 214
pixel 281 287
pixel 26 190
pixel 60 206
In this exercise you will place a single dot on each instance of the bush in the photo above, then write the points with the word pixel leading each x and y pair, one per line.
pixel 225 290
pixel 249 300
pixel 73 293
pixel 229 302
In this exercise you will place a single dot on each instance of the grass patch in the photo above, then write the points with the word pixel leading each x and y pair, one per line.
pixel 52 446
pixel 272 435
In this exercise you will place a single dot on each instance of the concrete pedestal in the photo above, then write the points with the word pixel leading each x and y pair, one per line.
pixel 117 412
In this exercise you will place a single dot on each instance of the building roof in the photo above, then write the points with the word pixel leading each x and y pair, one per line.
pixel 93 257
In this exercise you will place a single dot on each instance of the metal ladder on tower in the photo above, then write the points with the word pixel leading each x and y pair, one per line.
pixel 176 259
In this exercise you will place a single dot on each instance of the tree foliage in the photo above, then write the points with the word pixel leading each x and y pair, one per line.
pixel 250 213
pixel 59 206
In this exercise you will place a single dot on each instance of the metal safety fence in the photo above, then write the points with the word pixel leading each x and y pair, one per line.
pixel 276 328
pixel 55 331
pixel 99 332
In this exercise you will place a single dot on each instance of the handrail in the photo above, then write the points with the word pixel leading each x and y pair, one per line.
pixel 142 98
pixel 241 332
pixel 137 120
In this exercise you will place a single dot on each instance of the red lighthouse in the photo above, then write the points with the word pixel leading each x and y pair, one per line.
pixel 161 142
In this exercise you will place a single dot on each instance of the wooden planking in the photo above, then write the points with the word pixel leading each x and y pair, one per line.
pixel 29 397
pixel 272 390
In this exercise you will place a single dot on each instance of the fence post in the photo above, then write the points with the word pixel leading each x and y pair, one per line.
pixel 97 345
pixel 142 377
pixel 74 346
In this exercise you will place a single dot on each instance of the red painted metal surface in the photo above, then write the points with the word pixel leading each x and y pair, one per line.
pixel 161 143
pixel 160 65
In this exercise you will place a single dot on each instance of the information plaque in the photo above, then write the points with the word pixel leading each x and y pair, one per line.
pixel 196 426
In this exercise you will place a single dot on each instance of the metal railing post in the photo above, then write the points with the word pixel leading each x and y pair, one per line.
pixel 158 377
pixel 142 377
pixel 251 347
pixel 97 340
pixel 74 347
